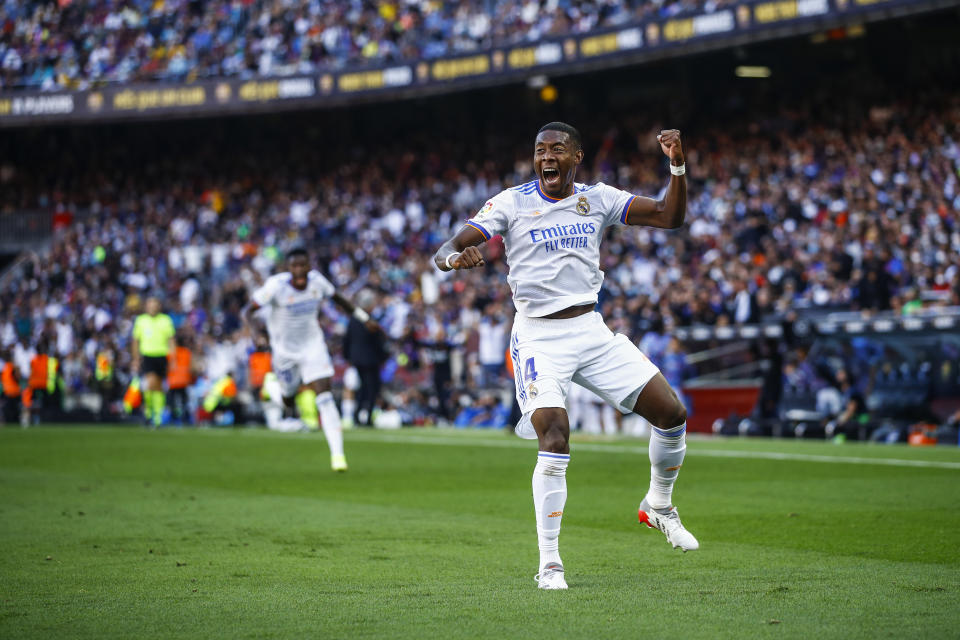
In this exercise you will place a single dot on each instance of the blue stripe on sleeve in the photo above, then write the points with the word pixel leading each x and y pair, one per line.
pixel 626 207
pixel 486 234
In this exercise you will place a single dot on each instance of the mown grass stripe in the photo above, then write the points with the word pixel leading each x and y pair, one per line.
pixel 603 448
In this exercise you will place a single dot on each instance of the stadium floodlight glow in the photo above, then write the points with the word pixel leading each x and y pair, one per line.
pixel 752 72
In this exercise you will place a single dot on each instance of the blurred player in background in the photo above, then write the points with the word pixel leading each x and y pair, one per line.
pixel 179 377
pixel 105 376
pixel 10 379
pixel 552 229
pixel 271 402
pixel 220 402
pixel 587 412
pixel 152 344
pixel 44 384
pixel 348 404
pixel 299 352
pixel 258 364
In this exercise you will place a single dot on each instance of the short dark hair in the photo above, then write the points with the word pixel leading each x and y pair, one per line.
pixel 296 251
pixel 565 128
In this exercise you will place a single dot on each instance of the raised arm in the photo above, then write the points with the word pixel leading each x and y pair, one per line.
pixel 254 323
pixel 347 306
pixel 356 311
pixel 461 250
pixel 669 212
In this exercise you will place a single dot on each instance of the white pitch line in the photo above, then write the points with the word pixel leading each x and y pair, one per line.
pixel 707 453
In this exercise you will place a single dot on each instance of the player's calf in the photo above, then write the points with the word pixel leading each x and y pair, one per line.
pixel 549 498
pixel 660 406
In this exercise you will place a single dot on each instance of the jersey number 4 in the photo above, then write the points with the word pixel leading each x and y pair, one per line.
pixel 530 370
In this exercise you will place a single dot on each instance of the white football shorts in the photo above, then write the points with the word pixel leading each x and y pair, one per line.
pixel 312 363
pixel 549 354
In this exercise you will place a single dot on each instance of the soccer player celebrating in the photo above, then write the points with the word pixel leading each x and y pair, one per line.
pixel 300 355
pixel 552 228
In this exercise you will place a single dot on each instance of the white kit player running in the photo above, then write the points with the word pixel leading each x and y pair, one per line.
pixel 299 352
pixel 552 229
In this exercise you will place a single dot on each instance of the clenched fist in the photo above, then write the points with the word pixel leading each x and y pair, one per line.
pixel 468 259
pixel 669 140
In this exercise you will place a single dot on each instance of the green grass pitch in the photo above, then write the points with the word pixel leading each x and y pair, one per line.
pixel 129 533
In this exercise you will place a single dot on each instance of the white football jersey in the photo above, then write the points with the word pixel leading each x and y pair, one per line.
pixel 291 313
pixel 553 246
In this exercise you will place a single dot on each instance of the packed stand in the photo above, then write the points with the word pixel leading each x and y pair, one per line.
pixel 82 43
pixel 794 215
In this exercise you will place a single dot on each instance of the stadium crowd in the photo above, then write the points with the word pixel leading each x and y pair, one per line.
pixel 798 213
pixel 75 44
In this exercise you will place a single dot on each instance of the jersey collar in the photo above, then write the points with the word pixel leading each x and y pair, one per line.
pixel 551 198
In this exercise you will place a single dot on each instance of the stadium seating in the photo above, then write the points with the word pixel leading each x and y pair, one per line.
pixel 83 43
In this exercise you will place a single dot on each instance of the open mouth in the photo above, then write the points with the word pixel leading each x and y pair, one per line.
pixel 551 176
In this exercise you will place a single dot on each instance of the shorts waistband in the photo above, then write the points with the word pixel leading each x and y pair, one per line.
pixel 557 323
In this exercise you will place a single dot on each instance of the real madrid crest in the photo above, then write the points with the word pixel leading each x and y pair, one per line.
pixel 532 390
pixel 583 207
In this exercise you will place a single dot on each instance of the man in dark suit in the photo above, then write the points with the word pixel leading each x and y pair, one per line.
pixel 364 348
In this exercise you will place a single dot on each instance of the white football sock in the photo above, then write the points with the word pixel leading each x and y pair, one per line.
pixel 549 496
pixel 667 448
pixel 330 422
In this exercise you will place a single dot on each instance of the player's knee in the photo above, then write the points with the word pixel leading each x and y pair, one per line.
pixel 674 416
pixel 554 430
pixel 554 441
pixel 668 417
